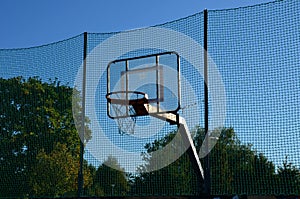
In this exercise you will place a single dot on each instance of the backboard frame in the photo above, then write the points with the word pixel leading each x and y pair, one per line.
pixel 158 68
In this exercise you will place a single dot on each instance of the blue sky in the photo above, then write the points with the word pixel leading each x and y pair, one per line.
pixel 35 22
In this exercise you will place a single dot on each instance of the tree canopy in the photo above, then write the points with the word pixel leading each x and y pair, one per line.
pixel 38 138
pixel 235 168
pixel 39 154
pixel 108 181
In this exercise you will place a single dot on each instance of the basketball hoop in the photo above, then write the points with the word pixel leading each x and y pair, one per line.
pixel 125 105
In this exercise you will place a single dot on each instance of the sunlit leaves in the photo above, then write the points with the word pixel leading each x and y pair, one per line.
pixel 34 117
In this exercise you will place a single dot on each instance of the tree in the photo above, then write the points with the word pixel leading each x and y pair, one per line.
pixel 94 189
pixel 56 174
pixel 235 168
pixel 108 181
pixel 34 117
pixel 288 180
pixel 178 178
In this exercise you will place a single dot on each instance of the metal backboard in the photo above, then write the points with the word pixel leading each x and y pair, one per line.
pixel 156 75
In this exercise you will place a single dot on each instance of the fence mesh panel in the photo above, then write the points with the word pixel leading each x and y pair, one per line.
pixel 253 75
pixel 256 50
pixel 36 119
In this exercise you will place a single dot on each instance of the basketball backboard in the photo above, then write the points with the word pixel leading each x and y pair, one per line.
pixel 148 85
pixel 155 76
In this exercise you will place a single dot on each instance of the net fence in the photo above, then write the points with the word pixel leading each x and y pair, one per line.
pixel 256 50
pixel 254 113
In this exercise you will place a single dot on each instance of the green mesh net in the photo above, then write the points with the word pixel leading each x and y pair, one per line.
pixel 253 57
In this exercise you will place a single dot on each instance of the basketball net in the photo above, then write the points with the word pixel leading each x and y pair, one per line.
pixel 126 125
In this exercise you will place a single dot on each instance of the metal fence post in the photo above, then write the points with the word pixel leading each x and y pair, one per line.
pixel 82 130
pixel 206 159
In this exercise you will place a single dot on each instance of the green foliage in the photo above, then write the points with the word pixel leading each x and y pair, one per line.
pixel 39 154
pixel 177 178
pixel 109 180
pixel 34 117
pixel 235 169
pixel 55 174
pixel 288 179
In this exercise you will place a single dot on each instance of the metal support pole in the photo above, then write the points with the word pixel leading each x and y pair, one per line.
pixel 206 159
pixel 127 87
pixel 82 128
pixel 158 83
